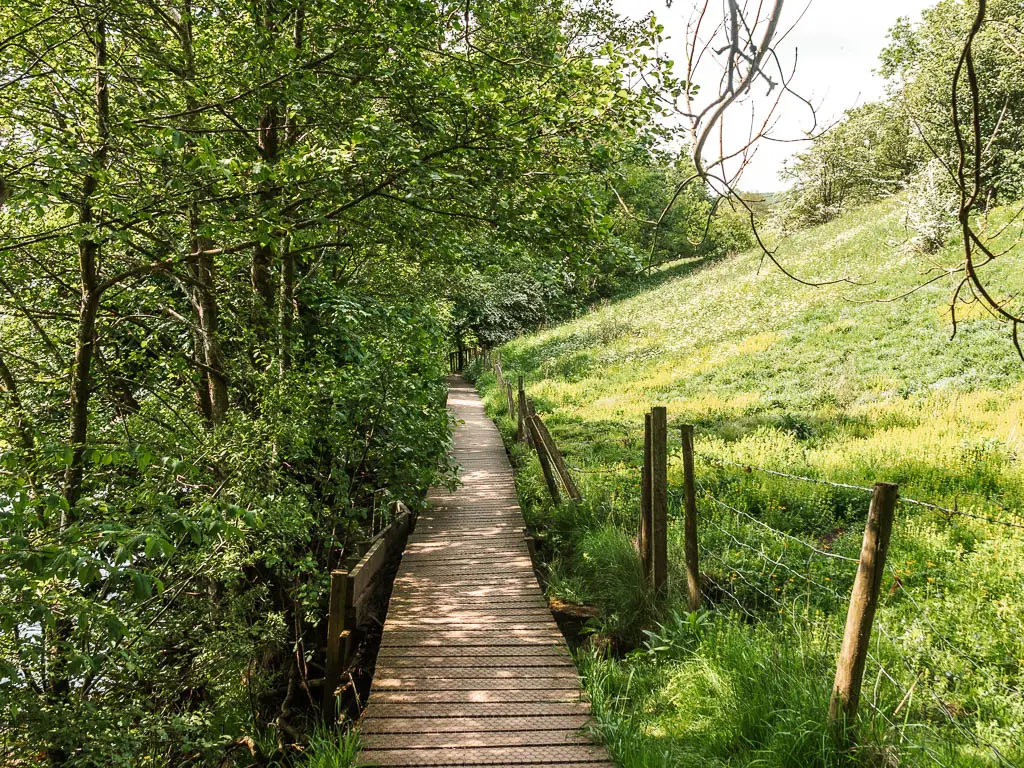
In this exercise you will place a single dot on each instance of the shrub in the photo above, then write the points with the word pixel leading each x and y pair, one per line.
pixel 931 207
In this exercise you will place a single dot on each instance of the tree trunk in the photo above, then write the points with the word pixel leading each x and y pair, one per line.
pixel 286 309
pixel 212 387
pixel 263 253
pixel 88 264
pixel 10 385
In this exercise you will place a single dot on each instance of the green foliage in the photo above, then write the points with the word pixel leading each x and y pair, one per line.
pixel 233 238
pixel 920 63
pixel 910 137
pixel 613 228
pixel 867 155
pixel 332 749
pixel 731 695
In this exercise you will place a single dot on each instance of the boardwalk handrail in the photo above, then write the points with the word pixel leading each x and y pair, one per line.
pixel 350 598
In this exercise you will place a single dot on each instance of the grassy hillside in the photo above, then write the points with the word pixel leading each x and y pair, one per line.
pixel 822 382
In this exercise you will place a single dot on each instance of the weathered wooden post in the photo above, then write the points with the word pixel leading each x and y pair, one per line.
pixel 542 453
pixel 335 642
pixel 644 538
pixel 523 435
pixel 863 603
pixel 557 459
pixel 659 496
pixel 510 400
pixel 690 520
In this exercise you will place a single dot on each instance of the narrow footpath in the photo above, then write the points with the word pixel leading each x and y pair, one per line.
pixel 472 669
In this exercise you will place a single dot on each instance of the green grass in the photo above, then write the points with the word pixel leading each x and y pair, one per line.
pixel 825 382
pixel 331 748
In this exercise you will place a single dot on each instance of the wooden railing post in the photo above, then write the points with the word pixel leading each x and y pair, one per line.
pixel 336 651
pixel 690 520
pixel 542 453
pixel 863 603
pixel 659 496
pixel 557 459
pixel 644 537
pixel 510 401
pixel 523 435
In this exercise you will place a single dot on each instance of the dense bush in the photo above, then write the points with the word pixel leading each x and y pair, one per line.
pixel 865 156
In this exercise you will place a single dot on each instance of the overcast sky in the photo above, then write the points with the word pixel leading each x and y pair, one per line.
pixel 838 43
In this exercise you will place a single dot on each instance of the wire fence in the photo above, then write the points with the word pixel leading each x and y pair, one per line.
pixel 754 576
pixel 967 726
pixel 950 512
pixel 924 674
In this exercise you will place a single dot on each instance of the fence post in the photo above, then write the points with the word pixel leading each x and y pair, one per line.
pixel 644 539
pixel 510 401
pixel 523 435
pixel 863 603
pixel 659 496
pixel 337 608
pixel 690 520
pixel 542 454
pixel 558 460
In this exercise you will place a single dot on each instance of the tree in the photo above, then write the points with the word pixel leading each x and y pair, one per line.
pixel 866 155
pixel 922 62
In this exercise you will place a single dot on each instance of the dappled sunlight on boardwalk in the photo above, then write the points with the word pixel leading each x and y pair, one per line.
pixel 472 669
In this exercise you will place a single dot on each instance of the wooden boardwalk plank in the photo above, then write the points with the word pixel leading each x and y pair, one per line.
pixel 485 709
pixel 479 725
pixel 546 755
pixel 472 669
pixel 542 738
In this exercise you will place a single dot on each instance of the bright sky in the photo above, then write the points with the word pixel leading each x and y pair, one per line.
pixel 838 43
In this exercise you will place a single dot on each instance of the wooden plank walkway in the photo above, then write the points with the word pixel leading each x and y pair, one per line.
pixel 472 669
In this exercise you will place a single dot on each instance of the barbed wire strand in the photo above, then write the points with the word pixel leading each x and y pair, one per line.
pixel 610 471
pixel 741 574
pixel 898 728
pixel 798 540
pixel 942 706
pixel 778 563
pixel 831 483
pixel 974 662
pixel 965 732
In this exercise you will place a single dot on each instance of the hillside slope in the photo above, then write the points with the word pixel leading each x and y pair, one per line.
pixel 732 345
pixel 826 382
